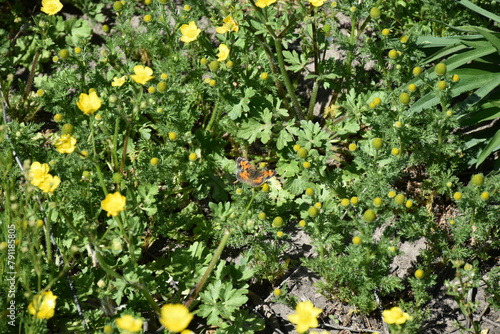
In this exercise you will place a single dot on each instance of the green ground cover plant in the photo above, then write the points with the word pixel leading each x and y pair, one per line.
pixel 145 145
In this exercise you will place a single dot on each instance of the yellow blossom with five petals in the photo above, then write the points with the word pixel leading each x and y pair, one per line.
pixel 65 144
pixel 51 7
pixel 114 204
pixel 43 305
pixel 142 74
pixel 129 323
pixel 395 316
pixel 264 3
pixel 89 103
pixel 175 317
pixel 39 176
pixel 37 173
pixel 223 52
pixel 189 32
pixel 305 316
pixel 229 25
pixel 317 3
pixel 118 82
pixel 49 184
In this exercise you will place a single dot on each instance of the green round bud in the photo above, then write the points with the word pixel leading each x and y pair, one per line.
pixel 118 6
pixel 477 179
pixel 277 222
pixel 67 129
pixel 440 69
pixel 375 13
pixel 117 177
pixel 313 211
pixel 377 143
pixel 369 215
pixel 302 152
pixel 214 65
pixel 404 98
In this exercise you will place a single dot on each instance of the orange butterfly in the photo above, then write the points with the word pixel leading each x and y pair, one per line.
pixel 248 174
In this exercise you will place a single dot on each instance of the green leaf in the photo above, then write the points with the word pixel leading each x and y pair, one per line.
pixel 467 83
pixel 479 10
pixel 251 130
pixel 482 92
pixel 487 112
pixel 490 37
pixel 243 105
pixel 493 145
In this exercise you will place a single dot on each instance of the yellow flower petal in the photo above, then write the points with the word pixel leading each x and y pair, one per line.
pixel 43 305
pixel 175 317
pixel 89 104
pixel 51 7
pixel 189 32
pixel 129 323
pixel 114 204
pixel 223 52
pixel 142 74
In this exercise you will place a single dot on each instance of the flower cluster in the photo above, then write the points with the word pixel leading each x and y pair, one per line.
pixel 43 305
pixel 39 176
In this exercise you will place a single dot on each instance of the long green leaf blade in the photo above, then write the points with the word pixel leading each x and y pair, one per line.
pixel 479 10
pixel 492 146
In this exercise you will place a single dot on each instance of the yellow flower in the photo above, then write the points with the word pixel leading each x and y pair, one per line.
pixel 175 317
pixel 317 3
pixel 43 305
pixel 37 173
pixel 65 144
pixel 114 204
pixel 49 184
pixel 189 32
pixel 223 52
pixel 90 103
pixel 229 25
pixel 39 177
pixel 142 74
pixel 118 82
pixel 305 317
pixel 129 323
pixel 396 316
pixel 51 7
pixel 264 3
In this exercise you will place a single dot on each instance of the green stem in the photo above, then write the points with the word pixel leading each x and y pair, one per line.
pixel 314 95
pixel 189 300
pixel 209 270
pixel 312 102
pixel 286 79
pixel 114 156
pixel 214 117
pixel 101 177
